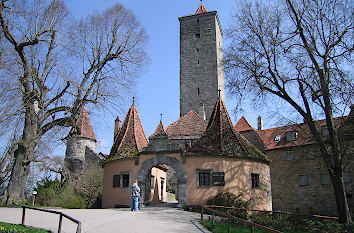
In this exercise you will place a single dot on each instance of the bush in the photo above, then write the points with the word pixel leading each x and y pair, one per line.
pixel 231 200
pixel 58 194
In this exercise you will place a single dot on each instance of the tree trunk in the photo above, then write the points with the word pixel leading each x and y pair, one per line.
pixel 341 198
pixel 23 156
pixel 19 175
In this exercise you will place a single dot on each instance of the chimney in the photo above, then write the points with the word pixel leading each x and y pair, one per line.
pixel 260 123
pixel 116 127
pixel 202 111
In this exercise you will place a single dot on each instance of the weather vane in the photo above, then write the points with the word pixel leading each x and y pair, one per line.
pixel 161 117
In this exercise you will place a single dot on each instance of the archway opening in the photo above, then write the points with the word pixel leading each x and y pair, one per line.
pixel 149 178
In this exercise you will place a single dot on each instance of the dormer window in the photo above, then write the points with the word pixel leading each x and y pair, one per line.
pixel 291 136
pixel 324 131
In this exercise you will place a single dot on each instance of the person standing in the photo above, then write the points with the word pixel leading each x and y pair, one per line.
pixel 134 193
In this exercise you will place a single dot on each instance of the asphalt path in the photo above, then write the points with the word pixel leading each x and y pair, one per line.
pixel 148 220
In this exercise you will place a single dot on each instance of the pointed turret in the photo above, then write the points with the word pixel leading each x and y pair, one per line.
pixel 222 139
pixel 131 138
pixel 83 127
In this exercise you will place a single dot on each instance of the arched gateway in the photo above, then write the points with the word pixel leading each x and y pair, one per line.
pixel 173 162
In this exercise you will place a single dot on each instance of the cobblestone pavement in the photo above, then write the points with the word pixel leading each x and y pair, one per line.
pixel 149 220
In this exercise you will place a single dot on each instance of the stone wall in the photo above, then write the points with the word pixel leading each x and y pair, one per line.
pixel 300 182
pixel 76 148
pixel 201 71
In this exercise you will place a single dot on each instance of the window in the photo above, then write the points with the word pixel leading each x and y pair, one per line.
pixel 197 35
pixel 197 50
pixel 218 178
pixel 204 178
pixel 255 180
pixel 76 164
pixel 198 91
pixel 324 131
pixel 311 155
pixel 346 177
pixel 325 179
pixel 291 136
pixel 303 180
pixel 290 155
pixel 125 180
pixel 197 20
pixel 116 181
pixel 198 61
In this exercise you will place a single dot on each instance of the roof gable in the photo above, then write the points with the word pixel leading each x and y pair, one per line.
pixel 83 127
pixel 160 130
pixel 222 139
pixel 191 125
pixel 243 125
pixel 131 138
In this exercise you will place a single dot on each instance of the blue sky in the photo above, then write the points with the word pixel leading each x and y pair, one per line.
pixel 157 89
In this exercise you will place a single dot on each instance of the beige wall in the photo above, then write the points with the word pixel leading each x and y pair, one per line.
pixel 237 179
pixel 156 186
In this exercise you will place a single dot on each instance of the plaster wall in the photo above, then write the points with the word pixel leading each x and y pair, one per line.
pixel 237 180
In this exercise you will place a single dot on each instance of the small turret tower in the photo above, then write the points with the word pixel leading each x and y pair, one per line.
pixel 81 138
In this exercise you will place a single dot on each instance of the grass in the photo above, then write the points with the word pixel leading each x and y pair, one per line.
pixel 222 228
pixel 13 228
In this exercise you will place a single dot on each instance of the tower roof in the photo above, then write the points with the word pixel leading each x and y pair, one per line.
pixel 243 125
pixel 201 9
pixel 83 127
pixel 222 139
pixel 131 138
pixel 191 125
pixel 159 130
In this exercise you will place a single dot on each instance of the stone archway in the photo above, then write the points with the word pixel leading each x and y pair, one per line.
pixel 172 162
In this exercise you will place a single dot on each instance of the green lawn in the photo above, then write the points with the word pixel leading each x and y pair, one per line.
pixel 12 228
pixel 222 228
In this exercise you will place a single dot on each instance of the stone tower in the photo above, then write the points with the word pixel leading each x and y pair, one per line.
pixel 201 69
pixel 80 143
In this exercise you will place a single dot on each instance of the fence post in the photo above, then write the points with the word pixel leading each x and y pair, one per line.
pixel 201 214
pixel 213 218
pixel 252 229
pixel 23 215
pixel 78 229
pixel 60 220
pixel 228 225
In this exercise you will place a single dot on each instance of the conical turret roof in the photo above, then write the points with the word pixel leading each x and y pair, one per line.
pixel 222 139
pixel 131 138
pixel 83 127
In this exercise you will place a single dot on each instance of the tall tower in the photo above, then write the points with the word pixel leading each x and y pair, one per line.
pixel 201 69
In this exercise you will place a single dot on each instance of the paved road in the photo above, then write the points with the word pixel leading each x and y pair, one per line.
pixel 148 220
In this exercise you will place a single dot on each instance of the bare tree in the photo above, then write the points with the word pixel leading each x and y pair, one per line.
pixel 53 66
pixel 300 52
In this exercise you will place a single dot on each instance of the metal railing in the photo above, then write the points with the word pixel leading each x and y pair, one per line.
pixel 78 229
pixel 229 217
pixel 276 212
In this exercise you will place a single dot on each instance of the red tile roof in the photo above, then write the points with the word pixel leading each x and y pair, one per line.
pixel 131 138
pixel 83 127
pixel 201 9
pixel 159 130
pixel 304 136
pixel 222 139
pixel 243 125
pixel 191 125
